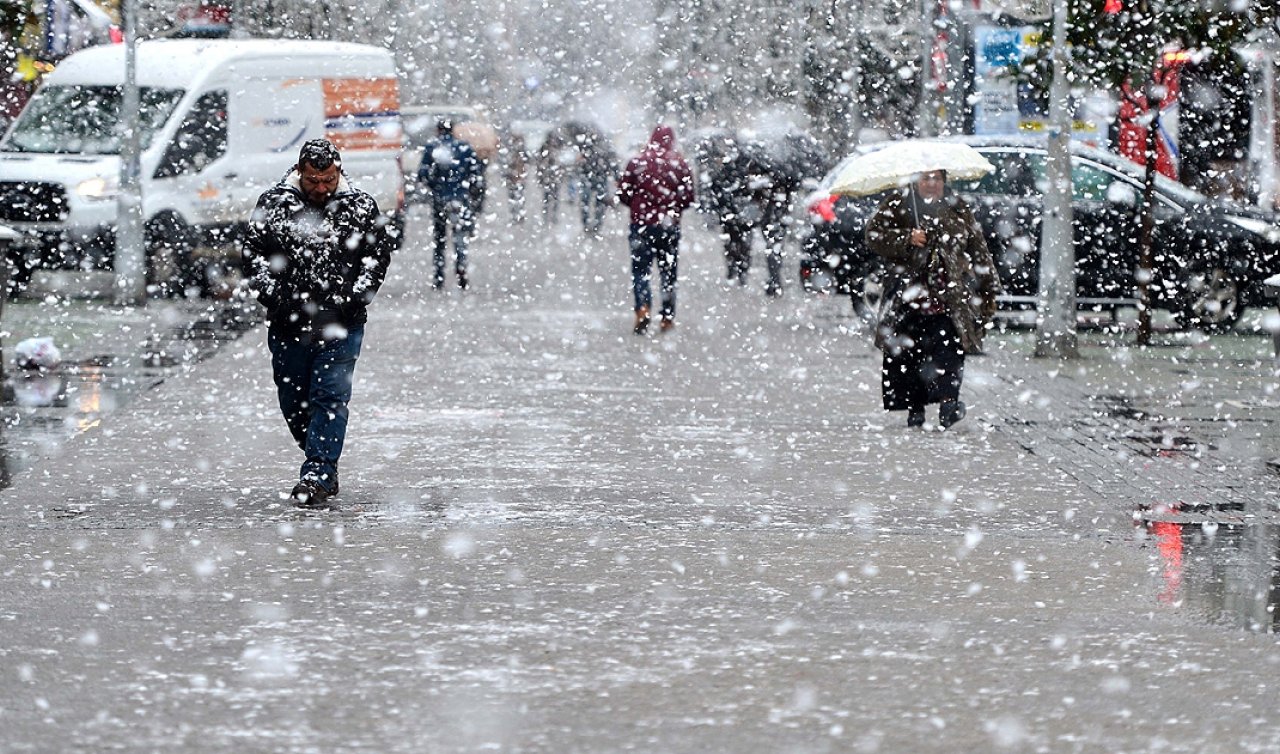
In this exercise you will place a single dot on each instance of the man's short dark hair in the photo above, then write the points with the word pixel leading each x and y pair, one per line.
pixel 319 154
pixel 444 126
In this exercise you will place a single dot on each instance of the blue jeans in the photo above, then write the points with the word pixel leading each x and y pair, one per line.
pixel 649 244
pixel 313 384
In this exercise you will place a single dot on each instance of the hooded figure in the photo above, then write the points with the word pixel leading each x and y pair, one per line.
pixel 939 296
pixel 657 186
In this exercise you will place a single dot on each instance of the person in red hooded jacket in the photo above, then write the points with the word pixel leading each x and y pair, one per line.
pixel 658 187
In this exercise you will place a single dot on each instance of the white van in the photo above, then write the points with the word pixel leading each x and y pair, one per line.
pixel 222 120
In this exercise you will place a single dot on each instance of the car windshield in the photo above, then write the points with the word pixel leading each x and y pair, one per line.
pixel 86 119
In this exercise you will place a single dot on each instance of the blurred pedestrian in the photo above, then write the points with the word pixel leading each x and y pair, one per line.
pixel 550 174
pixel 515 171
pixel 450 171
pixel 738 193
pixel 658 187
pixel 940 295
pixel 317 251
pixel 597 166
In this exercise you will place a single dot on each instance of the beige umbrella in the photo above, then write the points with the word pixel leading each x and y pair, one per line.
pixel 900 162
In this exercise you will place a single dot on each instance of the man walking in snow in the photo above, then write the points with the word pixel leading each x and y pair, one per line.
pixel 317 251
pixel 658 187
pixel 450 170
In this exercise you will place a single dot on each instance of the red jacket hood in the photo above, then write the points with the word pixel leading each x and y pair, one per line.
pixel 662 139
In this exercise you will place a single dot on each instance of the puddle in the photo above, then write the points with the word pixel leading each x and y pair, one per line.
pixel 40 411
pixel 1222 566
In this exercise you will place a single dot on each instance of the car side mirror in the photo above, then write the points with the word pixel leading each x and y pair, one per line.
pixel 1120 192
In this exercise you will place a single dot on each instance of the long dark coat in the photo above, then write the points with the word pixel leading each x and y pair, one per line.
pixel 955 252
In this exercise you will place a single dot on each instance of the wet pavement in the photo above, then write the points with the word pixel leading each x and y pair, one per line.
pixel 109 355
pixel 556 536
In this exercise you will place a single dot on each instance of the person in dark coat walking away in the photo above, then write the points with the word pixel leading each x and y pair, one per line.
pixel 597 165
pixel 450 170
pixel 316 250
pixel 740 195
pixel 515 169
pixel 658 187
pixel 939 296
pixel 550 174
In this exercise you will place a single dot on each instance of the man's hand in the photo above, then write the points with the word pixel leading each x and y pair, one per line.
pixel 918 238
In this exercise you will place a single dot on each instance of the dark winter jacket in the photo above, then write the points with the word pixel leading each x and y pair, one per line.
pixel 743 190
pixel 323 263
pixel 952 273
pixel 657 184
pixel 450 169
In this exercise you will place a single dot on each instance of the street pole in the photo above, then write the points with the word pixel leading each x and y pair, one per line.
pixel 926 119
pixel 1057 317
pixel 1267 164
pixel 130 263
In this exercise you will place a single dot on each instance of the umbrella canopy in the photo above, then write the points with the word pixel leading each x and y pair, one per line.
pixel 899 162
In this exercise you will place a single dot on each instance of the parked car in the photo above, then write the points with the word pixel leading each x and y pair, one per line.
pixel 1210 256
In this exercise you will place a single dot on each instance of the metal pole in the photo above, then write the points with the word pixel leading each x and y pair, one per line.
pixel 926 120
pixel 1057 317
pixel 130 262
pixel 1267 165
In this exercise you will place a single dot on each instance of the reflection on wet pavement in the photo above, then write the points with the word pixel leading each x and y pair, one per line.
pixel 1223 569
pixel 41 410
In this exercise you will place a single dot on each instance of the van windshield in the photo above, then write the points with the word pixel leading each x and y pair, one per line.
pixel 86 119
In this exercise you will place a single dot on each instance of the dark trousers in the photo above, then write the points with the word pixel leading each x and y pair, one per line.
pixel 595 192
pixel 775 235
pixel 451 218
pixel 313 384
pixel 928 368
pixel 650 244
pixel 737 250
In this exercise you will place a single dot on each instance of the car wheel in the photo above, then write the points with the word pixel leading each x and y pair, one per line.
pixel 1212 300
pixel 867 294
pixel 170 268
pixel 819 280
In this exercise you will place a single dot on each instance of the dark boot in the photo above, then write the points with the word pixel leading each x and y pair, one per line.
pixel 915 417
pixel 309 493
pixel 950 413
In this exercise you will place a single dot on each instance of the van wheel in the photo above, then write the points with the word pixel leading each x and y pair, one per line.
pixel 170 270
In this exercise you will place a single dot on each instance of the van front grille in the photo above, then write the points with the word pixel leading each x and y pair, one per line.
pixel 32 202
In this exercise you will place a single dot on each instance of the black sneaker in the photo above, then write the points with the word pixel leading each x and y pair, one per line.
pixel 915 417
pixel 309 493
pixel 950 413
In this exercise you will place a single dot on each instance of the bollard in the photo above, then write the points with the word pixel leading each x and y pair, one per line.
pixel 7 237
pixel 1272 285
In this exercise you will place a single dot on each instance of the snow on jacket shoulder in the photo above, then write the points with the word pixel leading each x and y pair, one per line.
pixel 301 258
pixel 657 184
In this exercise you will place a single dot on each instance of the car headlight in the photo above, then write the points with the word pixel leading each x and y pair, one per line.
pixel 1258 227
pixel 98 189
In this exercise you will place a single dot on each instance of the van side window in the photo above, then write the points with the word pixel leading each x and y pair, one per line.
pixel 201 139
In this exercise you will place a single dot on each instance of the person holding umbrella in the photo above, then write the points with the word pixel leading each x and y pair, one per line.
pixel 939 297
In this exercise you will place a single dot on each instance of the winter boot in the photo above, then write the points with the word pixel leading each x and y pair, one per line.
pixel 950 413
pixel 642 320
